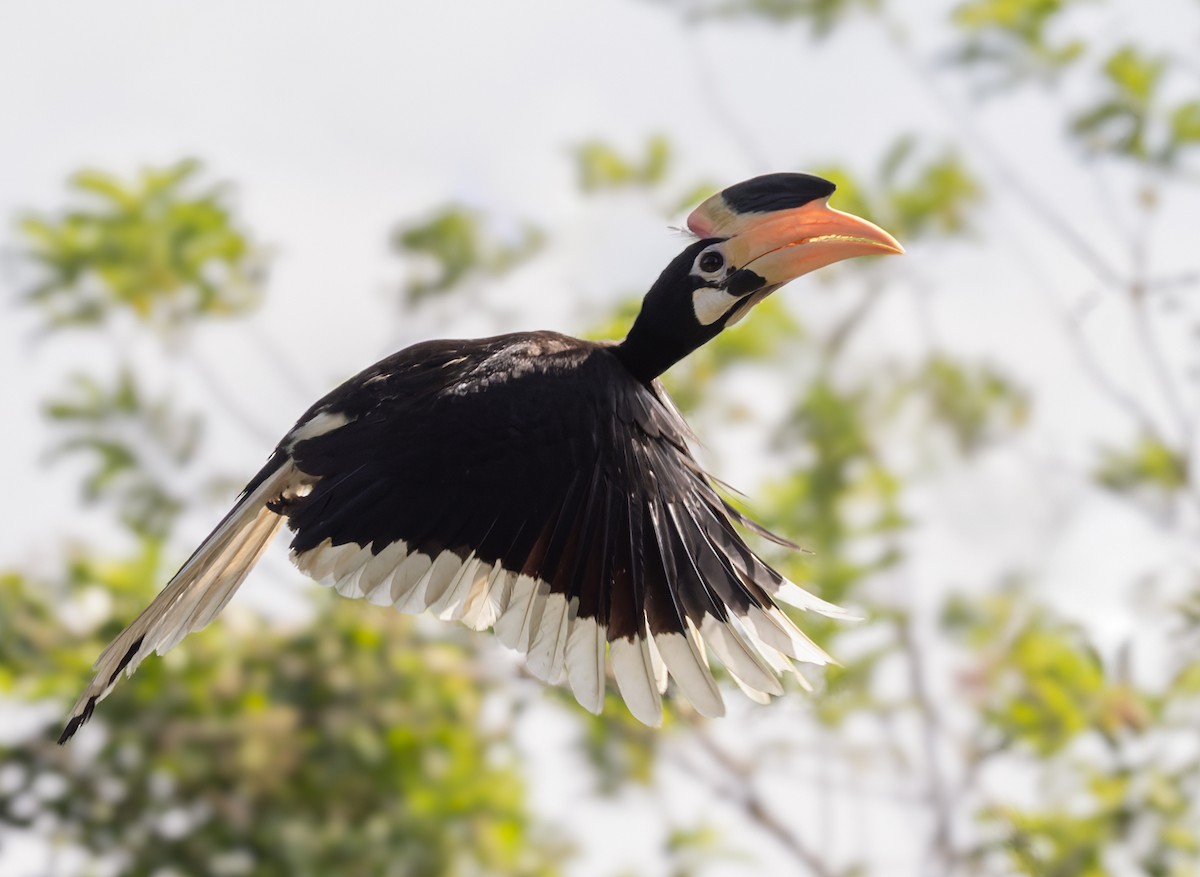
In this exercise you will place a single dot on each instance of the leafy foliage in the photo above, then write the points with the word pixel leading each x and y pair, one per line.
pixel 1011 42
pixel 1135 119
pixel 758 341
pixel 1120 122
pixel 353 746
pixel 1147 465
pixel 1045 696
pixel 600 166
pixel 160 247
pixel 359 745
pixel 454 245
pixel 134 444
pixel 822 16
pixel 975 403
pixel 1039 682
pixel 1014 40
pixel 914 196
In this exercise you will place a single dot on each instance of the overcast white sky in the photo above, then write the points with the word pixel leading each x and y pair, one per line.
pixel 336 120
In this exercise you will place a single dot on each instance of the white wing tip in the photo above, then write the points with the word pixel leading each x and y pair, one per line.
pixel 633 670
pixel 796 596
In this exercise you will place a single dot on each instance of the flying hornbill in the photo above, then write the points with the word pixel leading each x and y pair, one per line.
pixel 542 485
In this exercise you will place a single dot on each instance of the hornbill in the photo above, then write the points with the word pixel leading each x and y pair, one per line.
pixel 542 485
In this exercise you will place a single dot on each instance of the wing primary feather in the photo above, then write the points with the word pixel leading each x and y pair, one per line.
pixel 549 648
pixel 512 627
pixel 404 580
pixel 740 658
pixel 377 575
pixel 720 575
pixel 449 601
pixel 794 595
pixel 632 667
pixel 759 530
pixel 199 590
pixel 492 599
pixel 585 663
pixel 431 586
pixel 632 663
pixel 677 648
pixel 588 636
pixel 519 621
pixel 777 630
pixel 497 592
pixel 658 667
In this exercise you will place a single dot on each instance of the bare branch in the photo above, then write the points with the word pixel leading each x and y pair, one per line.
pixel 222 393
pixel 1104 382
pixel 1152 351
pixel 941 844
pixel 845 329
pixel 737 789
pixel 283 364
pixel 722 114
pixel 1025 193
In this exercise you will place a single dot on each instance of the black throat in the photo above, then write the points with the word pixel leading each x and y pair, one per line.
pixel 666 329
pixel 647 353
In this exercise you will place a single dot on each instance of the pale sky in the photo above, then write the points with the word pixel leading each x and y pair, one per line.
pixel 336 120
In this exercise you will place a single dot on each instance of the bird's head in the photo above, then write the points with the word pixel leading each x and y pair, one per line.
pixel 754 237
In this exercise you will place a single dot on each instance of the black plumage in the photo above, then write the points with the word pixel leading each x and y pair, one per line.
pixel 538 484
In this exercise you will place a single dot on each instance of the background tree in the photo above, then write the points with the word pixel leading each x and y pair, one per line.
pixel 987 726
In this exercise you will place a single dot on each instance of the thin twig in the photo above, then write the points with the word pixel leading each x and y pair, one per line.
pixel 1089 255
pixel 1039 207
pixel 281 362
pixel 722 114
pixel 1151 349
pixel 242 415
pixel 1144 330
pixel 1153 353
pixel 849 324
pixel 942 841
pixel 1104 382
pixel 1173 283
pixel 904 797
pixel 739 791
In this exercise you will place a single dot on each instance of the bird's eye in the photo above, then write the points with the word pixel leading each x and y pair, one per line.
pixel 711 261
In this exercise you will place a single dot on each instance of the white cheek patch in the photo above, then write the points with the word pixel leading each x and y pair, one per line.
pixel 711 304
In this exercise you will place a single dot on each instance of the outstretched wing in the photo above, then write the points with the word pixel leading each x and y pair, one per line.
pixel 529 484
pixel 526 483
pixel 201 588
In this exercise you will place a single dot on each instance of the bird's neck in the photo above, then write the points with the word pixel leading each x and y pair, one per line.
pixel 650 349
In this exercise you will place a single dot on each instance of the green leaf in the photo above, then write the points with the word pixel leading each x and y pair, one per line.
pixel 975 403
pixel 1134 74
pixel 1148 464
pixel 1127 121
pixel 822 16
pixel 1183 129
pixel 916 196
pixel 354 746
pixel 454 245
pixel 601 167
pixel 134 446
pixel 161 247
pixel 1014 40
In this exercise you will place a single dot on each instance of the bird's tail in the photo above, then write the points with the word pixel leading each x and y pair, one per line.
pixel 198 591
